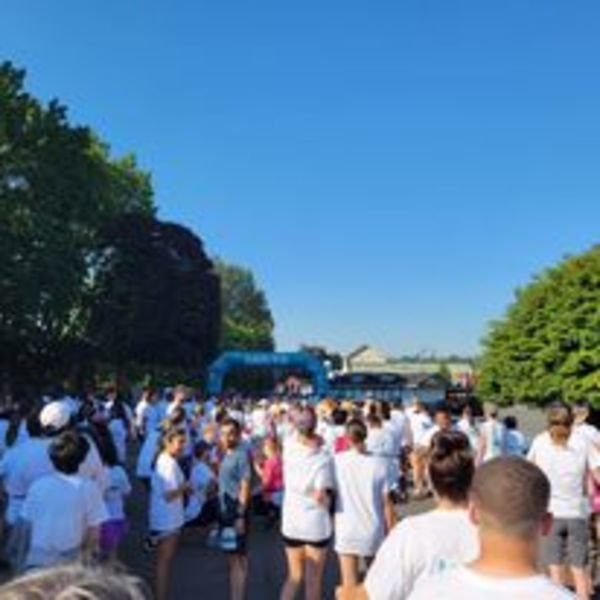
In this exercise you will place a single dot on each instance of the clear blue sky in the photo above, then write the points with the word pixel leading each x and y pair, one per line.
pixel 391 171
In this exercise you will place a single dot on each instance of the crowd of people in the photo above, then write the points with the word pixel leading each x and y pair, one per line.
pixel 329 475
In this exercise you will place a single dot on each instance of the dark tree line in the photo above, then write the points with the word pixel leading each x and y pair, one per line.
pixel 90 280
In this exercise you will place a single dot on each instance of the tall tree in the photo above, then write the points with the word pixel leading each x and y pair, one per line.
pixel 157 298
pixel 548 344
pixel 58 187
pixel 247 322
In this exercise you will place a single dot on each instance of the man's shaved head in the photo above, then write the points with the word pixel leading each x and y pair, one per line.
pixel 510 495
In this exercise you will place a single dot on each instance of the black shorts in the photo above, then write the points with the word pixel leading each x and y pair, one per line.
pixel 208 515
pixel 294 543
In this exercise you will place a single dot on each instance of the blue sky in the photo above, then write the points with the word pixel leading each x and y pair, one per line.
pixel 390 171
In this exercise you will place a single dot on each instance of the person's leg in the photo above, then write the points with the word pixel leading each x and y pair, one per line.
pixel 553 551
pixel 315 565
pixel 348 569
pixel 577 545
pixel 295 572
pixel 418 465
pixel 165 551
pixel 238 571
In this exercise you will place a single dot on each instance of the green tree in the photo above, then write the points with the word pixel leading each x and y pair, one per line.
pixel 58 187
pixel 548 344
pixel 247 322
pixel 156 303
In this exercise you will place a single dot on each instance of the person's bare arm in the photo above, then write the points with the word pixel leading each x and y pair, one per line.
pixel 179 492
pixel 91 542
pixel 351 592
pixel 389 513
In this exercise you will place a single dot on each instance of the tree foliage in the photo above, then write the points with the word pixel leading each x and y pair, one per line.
pixel 548 344
pixel 58 187
pixel 247 322
pixel 156 298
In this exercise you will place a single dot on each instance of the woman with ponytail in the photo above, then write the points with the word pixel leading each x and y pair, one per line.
pixel 423 545
pixel 567 461
pixel 168 490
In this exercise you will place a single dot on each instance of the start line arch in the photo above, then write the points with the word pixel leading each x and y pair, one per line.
pixel 270 360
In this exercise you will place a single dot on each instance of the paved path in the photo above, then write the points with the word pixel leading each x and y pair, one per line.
pixel 202 573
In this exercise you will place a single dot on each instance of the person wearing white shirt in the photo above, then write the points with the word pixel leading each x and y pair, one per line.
pixel 147 415
pixel 567 465
pixel 420 546
pixel 61 494
pixel 420 422
pixel 364 512
pixel 468 426
pixel 305 524
pixel 492 438
pixel 509 505
pixel 202 505
pixel 581 413
pixel 168 490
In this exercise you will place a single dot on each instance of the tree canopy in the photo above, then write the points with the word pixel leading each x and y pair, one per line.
pixel 156 298
pixel 548 344
pixel 87 275
pixel 247 322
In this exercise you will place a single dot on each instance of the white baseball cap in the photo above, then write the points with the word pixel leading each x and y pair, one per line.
pixel 55 414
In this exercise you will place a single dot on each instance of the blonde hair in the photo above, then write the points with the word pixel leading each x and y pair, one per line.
pixel 75 582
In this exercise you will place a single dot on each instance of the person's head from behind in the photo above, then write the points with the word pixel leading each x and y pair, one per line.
pixel 75 582
pixel 231 433
pixel 581 412
pixel 356 432
pixel 511 423
pixel 386 410
pixel 68 451
pixel 450 466
pixel 509 498
pixel 201 451
pixel 173 441
pixel 491 411
pixel 339 417
pixel 560 423
pixel 418 405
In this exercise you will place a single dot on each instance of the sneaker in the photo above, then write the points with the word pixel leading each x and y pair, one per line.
pixel 150 543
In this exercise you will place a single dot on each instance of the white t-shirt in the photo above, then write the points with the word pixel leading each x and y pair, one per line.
pixel 61 508
pixel 470 430
pixel 588 431
pixel 380 442
pixel 463 583
pixel 259 421
pixel 147 453
pixel 494 434
pixel 420 422
pixel 118 432
pixel 566 468
pixel 14 484
pixel 361 482
pixel 166 477
pixel 419 547
pixel 305 470
pixel 118 487
pixel 401 423
pixel 199 479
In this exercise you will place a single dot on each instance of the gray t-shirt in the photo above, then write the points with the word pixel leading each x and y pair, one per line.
pixel 235 468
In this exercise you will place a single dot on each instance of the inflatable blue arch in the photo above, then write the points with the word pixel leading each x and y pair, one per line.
pixel 269 360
